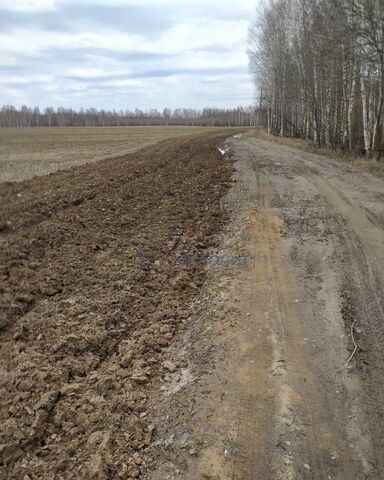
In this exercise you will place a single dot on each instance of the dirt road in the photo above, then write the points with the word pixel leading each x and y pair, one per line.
pixel 297 400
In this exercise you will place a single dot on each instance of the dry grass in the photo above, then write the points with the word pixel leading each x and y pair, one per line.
pixel 25 153
pixel 374 166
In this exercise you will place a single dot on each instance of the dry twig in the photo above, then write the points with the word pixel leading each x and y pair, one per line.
pixel 354 343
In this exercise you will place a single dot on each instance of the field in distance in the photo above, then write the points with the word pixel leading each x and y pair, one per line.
pixel 26 152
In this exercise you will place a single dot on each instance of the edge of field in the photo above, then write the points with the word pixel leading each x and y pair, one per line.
pixel 28 153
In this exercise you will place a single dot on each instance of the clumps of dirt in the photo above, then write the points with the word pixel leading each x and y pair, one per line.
pixel 348 310
pixel 92 294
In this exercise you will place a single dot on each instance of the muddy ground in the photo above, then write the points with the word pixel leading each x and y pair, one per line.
pixel 175 314
pixel 98 273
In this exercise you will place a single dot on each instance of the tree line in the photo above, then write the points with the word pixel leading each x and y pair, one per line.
pixel 64 117
pixel 320 67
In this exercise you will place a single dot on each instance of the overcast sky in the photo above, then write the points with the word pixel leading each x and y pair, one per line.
pixel 125 53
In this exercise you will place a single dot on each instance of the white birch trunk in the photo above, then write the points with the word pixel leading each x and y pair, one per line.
pixel 350 109
pixel 365 105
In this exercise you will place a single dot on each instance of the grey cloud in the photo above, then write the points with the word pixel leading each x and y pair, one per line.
pixel 51 59
pixel 188 71
pixel 158 73
pixel 12 69
pixel 147 20
pixel 215 48
pixel 74 18
pixel 163 65
pixel 83 53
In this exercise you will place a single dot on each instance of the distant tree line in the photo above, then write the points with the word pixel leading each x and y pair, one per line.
pixel 320 66
pixel 91 117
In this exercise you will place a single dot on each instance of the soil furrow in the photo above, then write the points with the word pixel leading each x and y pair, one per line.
pixel 92 295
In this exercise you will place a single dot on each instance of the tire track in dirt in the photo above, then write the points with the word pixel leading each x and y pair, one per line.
pixel 340 249
pixel 360 256
pixel 302 420
pixel 284 415
pixel 362 295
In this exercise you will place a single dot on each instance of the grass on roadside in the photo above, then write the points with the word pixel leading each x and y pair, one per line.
pixel 371 165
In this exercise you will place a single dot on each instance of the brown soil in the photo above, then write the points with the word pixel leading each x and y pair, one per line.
pixel 96 283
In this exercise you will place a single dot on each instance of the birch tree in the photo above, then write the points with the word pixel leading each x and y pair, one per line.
pixel 320 64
